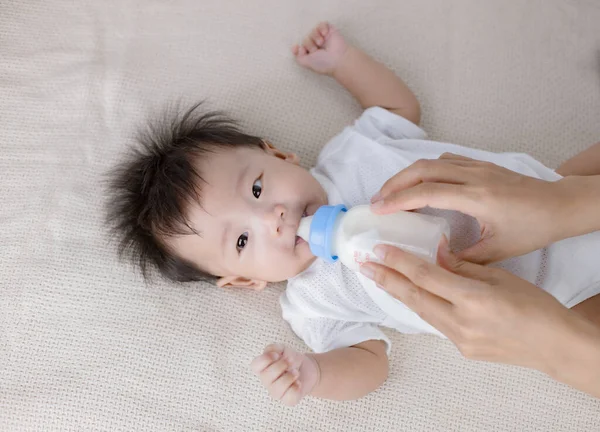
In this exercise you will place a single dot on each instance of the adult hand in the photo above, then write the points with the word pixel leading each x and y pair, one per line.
pixel 517 214
pixel 492 315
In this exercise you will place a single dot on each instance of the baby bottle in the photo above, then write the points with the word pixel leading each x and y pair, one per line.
pixel 334 232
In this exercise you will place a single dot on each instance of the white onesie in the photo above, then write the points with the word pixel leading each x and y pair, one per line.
pixel 330 307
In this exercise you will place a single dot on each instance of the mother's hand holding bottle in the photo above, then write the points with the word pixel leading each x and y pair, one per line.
pixel 489 313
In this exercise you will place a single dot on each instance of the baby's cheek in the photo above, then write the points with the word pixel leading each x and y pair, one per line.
pixel 286 264
pixel 272 266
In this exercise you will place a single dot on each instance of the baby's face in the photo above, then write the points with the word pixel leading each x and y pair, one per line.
pixel 251 205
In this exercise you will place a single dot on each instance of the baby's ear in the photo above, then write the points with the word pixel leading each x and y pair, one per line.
pixel 241 282
pixel 274 151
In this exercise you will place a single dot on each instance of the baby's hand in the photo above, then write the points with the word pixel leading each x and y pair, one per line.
pixel 286 373
pixel 322 49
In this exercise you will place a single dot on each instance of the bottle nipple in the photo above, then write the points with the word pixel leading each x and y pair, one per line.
pixel 304 228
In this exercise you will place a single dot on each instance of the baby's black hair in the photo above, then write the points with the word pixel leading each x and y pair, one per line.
pixel 150 191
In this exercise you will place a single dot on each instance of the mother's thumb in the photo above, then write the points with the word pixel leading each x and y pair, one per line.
pixel 479 253
pixel 456 264
pixel 446 258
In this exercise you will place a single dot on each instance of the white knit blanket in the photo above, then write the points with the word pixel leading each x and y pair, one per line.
pixel 85 345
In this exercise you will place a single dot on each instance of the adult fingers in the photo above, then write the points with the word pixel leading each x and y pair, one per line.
pixel 421 273
pixel 435 310
pixel 424 171
pixel 456 264
pixel 439 195
pixel 456 157
pixel 479 253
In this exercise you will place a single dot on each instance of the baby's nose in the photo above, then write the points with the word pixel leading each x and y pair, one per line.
pixel 275 219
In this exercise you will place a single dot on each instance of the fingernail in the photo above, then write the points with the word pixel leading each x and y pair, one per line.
pixel 275 356
pixel 380 252
pixel 377 205
pixel 367 271
pixel 376 197
pixel 443 247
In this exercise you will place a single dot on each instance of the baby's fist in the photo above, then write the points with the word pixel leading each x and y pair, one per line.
pixel 322 50
pixel 286 373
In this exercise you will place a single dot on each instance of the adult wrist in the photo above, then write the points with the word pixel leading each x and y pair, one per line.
pixel 579 206
pixel 575 357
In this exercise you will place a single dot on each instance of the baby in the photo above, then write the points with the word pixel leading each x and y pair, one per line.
pixel 202 201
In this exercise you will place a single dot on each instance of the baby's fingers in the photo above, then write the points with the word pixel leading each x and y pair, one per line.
pixel 309 44
pixel 299 52
pixel 260 363
pixel 317 38
pixel 323 29
pixel 276 348
pixel 273 372
pixel 293 395
pixel 283 384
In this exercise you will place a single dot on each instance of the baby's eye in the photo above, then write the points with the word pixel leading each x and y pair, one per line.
pixel 257 188
pixel 241 242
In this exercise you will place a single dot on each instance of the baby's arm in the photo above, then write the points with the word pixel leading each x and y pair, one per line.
pixel 370 82
pixel 353 372
pixel 341 374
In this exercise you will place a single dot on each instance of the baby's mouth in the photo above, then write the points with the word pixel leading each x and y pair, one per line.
pixel 299 239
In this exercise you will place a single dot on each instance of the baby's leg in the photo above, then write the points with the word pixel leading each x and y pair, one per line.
pixel 590 309
pixel 586 163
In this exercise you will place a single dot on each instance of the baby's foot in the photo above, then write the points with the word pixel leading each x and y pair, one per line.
pixel 322 50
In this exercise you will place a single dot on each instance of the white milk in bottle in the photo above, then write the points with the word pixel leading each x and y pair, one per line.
pixel 334 232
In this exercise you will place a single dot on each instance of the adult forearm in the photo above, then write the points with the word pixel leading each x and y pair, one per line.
pixel 581 211
pixel 574 356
